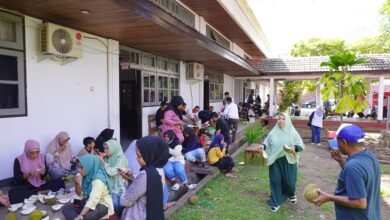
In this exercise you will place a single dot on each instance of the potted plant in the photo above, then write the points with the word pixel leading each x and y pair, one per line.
pixel 253 134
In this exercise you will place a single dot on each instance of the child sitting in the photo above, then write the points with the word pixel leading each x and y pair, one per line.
pixel 89 144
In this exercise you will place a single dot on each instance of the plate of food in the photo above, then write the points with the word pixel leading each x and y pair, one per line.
pixel 64 200
pixel 30 200
pixel 27 206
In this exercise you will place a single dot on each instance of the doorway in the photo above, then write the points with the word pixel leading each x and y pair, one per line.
pixel 130 106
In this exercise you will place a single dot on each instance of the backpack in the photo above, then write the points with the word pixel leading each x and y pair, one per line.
pixel 310 119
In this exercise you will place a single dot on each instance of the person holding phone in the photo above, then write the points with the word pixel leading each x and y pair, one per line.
pixel 143 198
pixel 95 187
pixel 112 159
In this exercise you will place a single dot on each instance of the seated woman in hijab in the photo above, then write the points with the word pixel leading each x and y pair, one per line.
pixel 175 166
pixel 173 118
pixel 282 146
pixel 95 187
pixel 216 156
pixel 104 136
pixel 192 149
pixel 143 198
pixel 59 156
pixel 113 160
pixel 29 171
pixel 131 156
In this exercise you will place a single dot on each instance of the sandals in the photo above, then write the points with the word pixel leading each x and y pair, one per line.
pixel 293 200
pixel 176 187
pixel 274 208
pixel 191 186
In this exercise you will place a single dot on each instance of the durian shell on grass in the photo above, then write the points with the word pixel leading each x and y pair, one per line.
pixel 208 191
pixel 310 192
pixel 194 200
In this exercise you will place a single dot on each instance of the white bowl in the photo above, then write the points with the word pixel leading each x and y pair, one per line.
pixel 57 207
pixel 18 205
pixel 44 213
pixel 64 200
pixel 27 206
pixel 28 211
pixel 45 218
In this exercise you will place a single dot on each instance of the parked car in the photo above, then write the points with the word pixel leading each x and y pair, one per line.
pixel 310 104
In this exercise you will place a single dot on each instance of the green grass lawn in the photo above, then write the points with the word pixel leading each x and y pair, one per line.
pixel 241 198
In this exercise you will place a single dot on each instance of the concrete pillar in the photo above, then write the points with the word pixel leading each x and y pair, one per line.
pixel 319 95
pixel 271 96
pixel 381 92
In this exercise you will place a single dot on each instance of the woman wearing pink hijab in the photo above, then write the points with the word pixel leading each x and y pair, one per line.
pixel 29 171
pixel 59 156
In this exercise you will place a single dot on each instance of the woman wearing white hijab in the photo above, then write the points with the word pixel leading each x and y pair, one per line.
pixel 316 124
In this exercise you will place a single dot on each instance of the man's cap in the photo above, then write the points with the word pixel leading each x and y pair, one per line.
pixel 351 133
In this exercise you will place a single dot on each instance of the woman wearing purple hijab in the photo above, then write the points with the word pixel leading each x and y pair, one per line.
pixel 29 172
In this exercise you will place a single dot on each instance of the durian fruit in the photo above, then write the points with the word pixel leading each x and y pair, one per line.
pixel 50 200
pixel 69 177
pixel 208 191
pixel 36 215
pixel 310 192
pixel 11 216
pixel 194 200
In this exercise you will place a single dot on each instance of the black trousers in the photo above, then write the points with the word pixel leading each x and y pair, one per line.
pixel 225 163
pixel 232 123
pixel 70 212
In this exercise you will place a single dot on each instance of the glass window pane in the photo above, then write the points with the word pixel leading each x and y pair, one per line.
pixel 160 96
pixel 160 82
pixel 7 30
pixel 165 95
pixel 146 81
pixel 9 96
pixel 8 68
pixel 152 82
pixel 152 96
pixel 165 82
pixel 146 95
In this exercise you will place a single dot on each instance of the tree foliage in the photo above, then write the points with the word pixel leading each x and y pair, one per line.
pixel 291 92
pixel 318 47
pixel 338 83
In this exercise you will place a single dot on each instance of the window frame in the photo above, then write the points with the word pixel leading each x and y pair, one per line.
pixel 148 67
pixel 18 50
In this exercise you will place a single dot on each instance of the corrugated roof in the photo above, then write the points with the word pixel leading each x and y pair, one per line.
pixel 378 62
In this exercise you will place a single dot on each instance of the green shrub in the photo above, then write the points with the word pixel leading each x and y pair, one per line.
pixel 253 133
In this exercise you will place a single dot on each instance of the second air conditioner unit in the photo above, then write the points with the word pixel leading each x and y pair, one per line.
pixel 60 42
pixel 195 71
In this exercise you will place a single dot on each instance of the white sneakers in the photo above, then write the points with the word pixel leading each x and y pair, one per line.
pixel 176 186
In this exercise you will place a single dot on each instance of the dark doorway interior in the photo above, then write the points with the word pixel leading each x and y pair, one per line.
pixel 206 94
pixel 130 105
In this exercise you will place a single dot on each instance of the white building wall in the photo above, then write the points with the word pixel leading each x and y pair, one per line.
pixel 71 97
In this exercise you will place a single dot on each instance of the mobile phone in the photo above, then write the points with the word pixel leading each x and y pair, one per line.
pixel 332 144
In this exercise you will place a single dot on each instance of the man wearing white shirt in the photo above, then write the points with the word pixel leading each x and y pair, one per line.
pixel 231 113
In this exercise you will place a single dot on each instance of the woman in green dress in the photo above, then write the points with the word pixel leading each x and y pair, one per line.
pixel 282 146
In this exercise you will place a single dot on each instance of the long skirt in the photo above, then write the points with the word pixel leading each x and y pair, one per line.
pixel 18 193
pixel 283 178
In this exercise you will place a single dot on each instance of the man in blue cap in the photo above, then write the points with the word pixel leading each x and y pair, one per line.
pixel 358 186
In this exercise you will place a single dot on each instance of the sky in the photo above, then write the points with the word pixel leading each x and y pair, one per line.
pixel 285 22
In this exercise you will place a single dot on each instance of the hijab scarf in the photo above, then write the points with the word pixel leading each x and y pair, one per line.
pixel 117 154
pixel 175 102
pixel 278 137
pixel 104 136
pixel 94 170
pixel 155 153
pixel 173 140
pixel 319 111
pixel 216 143
pixel 27 165
pixel 65 156
pixel 191 140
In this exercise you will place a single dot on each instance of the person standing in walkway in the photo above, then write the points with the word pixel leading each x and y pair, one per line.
pixel 231 114
pixel 173 118
pixel 357 194
pixel 316 119
pixel 282 145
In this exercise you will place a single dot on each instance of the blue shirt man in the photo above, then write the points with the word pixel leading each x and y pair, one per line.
pixel 358 186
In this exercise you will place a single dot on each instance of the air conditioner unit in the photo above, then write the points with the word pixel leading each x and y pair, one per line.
pixel 60 42
pixel 195 71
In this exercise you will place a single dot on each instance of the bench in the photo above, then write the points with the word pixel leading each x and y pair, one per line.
pixel 253 150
